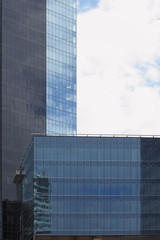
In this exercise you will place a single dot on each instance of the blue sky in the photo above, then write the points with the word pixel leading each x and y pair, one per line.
pixel 87 4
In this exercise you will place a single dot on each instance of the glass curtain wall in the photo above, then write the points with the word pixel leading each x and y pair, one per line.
pixel 61 67
pixel 23 94
pixel 96 186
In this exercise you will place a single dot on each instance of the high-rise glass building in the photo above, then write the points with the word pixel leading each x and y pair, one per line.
pixel 61 66
pixel 38 85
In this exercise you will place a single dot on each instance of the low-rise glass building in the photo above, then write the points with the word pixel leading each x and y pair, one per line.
pixel 95 187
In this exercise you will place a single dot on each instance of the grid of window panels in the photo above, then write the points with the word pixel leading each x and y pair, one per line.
pixel 23 95
pixel 96 186
pixel 61 67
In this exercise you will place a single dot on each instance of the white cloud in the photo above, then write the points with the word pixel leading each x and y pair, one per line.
pixel 118 70
pixel 153 74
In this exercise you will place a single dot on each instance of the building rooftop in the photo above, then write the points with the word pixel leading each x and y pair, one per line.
pixel 96 135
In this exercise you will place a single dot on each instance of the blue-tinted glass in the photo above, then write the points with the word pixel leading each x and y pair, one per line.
pixel 101 187
pixel 39 153
pixel 80 169
pixel 107 154
pixel 133 170
pixel 127 154
pixel 100 151
pixel 120 153
pixel 98 196
pixel 80 204
pixel 114 154
pixel 61 67
pixel 93 167
pixel 114 170
pixel 107 169
pixel 120 187
pixel 87 169
pixel 67 169
pixel 80 222
pixel 127 170
pixel 87 152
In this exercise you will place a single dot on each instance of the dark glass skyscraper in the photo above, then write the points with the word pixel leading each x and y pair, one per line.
pixel 38 84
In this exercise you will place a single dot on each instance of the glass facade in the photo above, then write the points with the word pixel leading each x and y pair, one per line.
pixel 96 186
pixel 23 95
pixel 61 66
pixel 38 85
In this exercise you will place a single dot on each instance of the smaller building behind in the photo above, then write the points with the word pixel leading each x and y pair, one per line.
pixel 91 186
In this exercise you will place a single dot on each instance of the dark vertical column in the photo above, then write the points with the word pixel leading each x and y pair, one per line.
pixel 150 182
pixel 1 120
pixel 23 92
